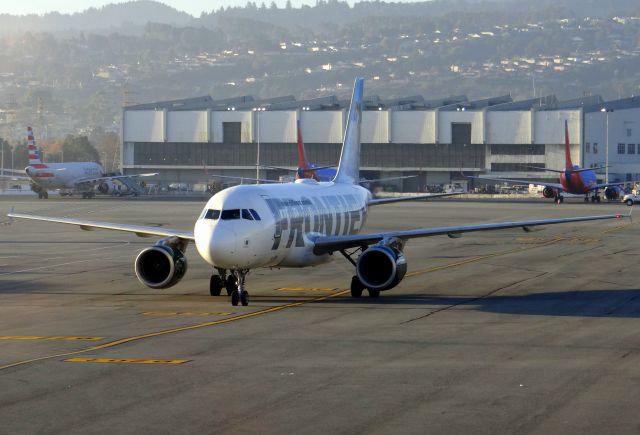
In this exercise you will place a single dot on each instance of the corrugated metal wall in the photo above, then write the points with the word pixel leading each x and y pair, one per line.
pixel 413 126
pixel 143 126
pixel 188 126
pixel 509 127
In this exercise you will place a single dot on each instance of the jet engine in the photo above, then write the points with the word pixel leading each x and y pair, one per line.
pixel 162 265
pixel 382 266
pixel 613 193
pixel 549 192
pixel 107 187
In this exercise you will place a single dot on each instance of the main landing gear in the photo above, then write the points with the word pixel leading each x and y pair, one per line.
pixel 357 287
pixel 559 199
pixel 88 195
pixel 43 194
pixel 233 283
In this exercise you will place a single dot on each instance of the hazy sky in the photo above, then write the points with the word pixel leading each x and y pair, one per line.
pixel 193 7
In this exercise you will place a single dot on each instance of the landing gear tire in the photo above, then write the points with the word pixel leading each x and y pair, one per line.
pixel 356 287
pixel 586 199
pixel 215 285
pixel 235 298
pixel 559 200
pixel 598 199
pixel 244 298
pixel 374 293
pixel 231 284
pixel 629 202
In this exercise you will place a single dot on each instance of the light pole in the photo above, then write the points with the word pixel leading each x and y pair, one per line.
pixel 258 110
pixel 606 151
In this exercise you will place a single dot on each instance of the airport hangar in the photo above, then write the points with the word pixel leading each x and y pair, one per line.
pixel 189 140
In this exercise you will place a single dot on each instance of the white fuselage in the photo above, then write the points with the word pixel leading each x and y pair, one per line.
pixel 63 175
pixel 275 225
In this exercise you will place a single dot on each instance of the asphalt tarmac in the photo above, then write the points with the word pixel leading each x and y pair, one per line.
pixel 495 332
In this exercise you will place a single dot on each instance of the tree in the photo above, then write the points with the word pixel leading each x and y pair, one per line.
pixel 79 149
pixel 5 149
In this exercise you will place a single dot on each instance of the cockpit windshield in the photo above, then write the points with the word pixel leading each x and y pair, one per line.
pixel 212 214
pixel 231 214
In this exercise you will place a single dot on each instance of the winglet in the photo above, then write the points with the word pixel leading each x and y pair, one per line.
pixel 10 215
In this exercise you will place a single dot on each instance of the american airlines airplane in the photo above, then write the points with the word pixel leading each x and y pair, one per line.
pixel 72 177
pixel 297 224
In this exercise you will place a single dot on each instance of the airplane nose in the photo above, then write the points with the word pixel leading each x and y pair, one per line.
pixel 216 243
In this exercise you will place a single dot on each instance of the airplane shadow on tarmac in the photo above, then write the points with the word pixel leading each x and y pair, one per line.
pixel 578 303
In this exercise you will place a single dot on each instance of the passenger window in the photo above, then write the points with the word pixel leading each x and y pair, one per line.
pixel 230 214
pixel 212 214
pixel 255 214
pixel 246 215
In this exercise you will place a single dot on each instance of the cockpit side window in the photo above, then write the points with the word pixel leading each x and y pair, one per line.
pixel 246 215
pixel 212 214
pixel 255 214
pixel 230 214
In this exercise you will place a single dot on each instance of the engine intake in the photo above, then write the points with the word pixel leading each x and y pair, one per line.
pixel 549 192
pixel 106 187
pixel 160 266
pixel 612 193
pixel 381 267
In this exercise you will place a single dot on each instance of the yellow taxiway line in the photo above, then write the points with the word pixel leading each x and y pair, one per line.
pixel 287 306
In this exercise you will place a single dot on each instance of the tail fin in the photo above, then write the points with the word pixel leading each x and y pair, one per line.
pixel 34 155
pixel 302 157
pixel 349 167
pixel 567 150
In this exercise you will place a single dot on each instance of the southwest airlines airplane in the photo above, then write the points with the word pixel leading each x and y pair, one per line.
pixel 72 177
pixel 322 173
pixel 290 225
pixel 573 180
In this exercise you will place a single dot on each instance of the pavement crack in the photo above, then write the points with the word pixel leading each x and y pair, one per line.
pixel 472 300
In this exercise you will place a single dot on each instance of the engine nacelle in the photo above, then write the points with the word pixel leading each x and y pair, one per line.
pixel 160 266
pixel 613 193
pixel 549 192
pixel 107 187
pixel 381 267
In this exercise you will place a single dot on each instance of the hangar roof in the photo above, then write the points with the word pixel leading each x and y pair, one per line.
pixel 592 103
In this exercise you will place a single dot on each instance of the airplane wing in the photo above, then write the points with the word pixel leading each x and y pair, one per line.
pixel 546 169
pixel 328 244
pixel 281 168
pixel 139 230
pixel 379 201
pixel 377 180
pixel 14 177
pixel 109 178
pixel 508 180
pixel 241 179
pixel 603 185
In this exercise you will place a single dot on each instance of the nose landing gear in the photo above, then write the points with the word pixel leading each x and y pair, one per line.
pixel 240 295
pixel 233 283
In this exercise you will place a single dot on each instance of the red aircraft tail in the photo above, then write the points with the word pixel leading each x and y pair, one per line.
pixel 567 150
pixel 302 158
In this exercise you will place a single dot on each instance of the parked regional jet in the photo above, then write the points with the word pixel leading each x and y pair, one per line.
pixel 573 180
pixel 290 225
pixel 74 177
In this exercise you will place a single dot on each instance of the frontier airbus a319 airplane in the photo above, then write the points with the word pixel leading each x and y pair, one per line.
pixel 290 225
